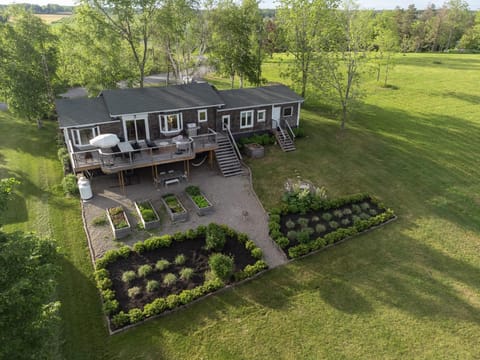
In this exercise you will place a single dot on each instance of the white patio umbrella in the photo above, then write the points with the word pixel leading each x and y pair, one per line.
pixel 105 140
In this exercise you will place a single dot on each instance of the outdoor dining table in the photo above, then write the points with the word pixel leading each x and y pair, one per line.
pixel 125 146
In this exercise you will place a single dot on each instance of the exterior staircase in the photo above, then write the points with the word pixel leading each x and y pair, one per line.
pixel 284 140
pixel 227 158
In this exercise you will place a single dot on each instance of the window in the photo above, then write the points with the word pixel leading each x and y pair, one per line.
pixel 202 115
pixel 135 129
pixel 261 115
pixel 171 123
pixel 81 137
pixel 246 119
pixel 288 111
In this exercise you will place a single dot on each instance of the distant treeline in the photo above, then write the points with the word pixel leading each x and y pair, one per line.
pixel 47 9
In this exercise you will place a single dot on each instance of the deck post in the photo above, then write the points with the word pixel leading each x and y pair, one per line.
pixel 210 159
pixel 121 181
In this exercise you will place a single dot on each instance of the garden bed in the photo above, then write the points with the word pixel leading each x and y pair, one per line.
pixel 175 208
pixel 305 223
pixel 163 273
pixel 118 222
pixel 202 205
pixel 147 214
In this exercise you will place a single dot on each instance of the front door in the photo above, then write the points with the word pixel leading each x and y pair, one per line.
pixel 225 122
pixel 276 116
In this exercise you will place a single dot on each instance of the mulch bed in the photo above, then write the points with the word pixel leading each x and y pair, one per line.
pixel 196 258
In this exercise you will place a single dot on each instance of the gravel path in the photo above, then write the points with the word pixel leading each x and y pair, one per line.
pixel 232 197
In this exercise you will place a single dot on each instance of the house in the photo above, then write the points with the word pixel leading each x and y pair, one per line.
pixel 161 125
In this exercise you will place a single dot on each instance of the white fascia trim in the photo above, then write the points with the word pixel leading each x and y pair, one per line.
pixel 87 125
pixel 256 106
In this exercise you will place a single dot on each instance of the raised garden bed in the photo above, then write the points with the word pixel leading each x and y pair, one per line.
pixel 305 223
pixel 118 222
pixel 202 205
pixel 147 214
pixel 175 208
pixel 254 150
pixel 166 272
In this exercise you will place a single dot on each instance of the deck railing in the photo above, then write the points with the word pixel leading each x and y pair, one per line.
pixel 205 142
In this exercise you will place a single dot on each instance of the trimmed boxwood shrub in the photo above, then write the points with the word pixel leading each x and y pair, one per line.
pixel 152 285
pixel 221 265
pixel 162 264
pixel 215 238
pixel 257 253
pixel 144 270
pixel 129 276
pixel 282 241
pixel 169 279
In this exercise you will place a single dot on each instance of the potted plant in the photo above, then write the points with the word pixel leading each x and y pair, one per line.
pixel 174 208
pixel 148 216
pixel 202 205
pixel 119 222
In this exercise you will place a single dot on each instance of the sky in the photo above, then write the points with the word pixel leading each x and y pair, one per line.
pixel 366 4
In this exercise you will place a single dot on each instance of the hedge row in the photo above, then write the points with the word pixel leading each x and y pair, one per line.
pixel 104 283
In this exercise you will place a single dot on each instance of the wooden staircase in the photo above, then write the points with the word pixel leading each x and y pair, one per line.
pixel 284 140
pixel 227 158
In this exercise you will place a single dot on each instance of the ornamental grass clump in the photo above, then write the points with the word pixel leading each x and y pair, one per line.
pixel 320 228
pixel 186 273
pixel 180 259
pixel 162 264
pixel 134 292
pixel 128 276
pixel 169 279
pixel 333 224
pixel 290 224
pixel 152 285
pixel 144 270
pixel 327 216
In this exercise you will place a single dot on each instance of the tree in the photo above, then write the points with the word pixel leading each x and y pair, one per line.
pixel 305 23
pixel 27 65
pixel 28 314
pixel 471 38
pixel 92 55
pixel 387 42
pixel 132 21
pixel 457 20
pixel 339 70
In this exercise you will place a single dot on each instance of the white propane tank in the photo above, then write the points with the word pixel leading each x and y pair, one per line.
pixel 84 188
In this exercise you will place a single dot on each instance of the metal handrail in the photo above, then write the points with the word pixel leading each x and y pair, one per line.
pixel 232 140
pixel 290 129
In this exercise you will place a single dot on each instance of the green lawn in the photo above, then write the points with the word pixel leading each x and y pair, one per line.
pixel 408 290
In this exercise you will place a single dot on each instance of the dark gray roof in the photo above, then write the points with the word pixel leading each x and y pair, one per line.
pixel 81 111
pixel 266 95
pixel 152 99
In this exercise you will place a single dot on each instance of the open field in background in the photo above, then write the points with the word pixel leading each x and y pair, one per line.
pixel 408 290
pixel 51 18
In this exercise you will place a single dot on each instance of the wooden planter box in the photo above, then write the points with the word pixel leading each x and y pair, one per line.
pixel 147 225
pixel 122 232
pixel 254 151
pixel 176 216
pixel 202 211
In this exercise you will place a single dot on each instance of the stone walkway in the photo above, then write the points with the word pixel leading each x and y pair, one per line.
pixel 231 197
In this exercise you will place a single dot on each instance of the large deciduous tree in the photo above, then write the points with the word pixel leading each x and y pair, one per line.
pixel 27 65
pixel 305 24
pixel 132 21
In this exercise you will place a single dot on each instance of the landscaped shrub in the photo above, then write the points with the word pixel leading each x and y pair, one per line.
pixel 156 307
pixel 372 212
pixel 134 291
pixel 250 245
pixel 162 264
pixel 186 296
pixel 282 241
pixel 327 216
pixel 129 276
pixel 356 218
pixel 144 270
pixel 274 218
pixel 215 238
pixel 298 250
pixel 191 234
pixel 173 301
pixel 338 213
pixel 320 228
pixel 292 235
pixel 242 238
pixel 156 242
pixel 221 265
pixel 110 306
pixel 99 221
pixel 152 285
pixel 135 315
pixel 356 209
pixel 303 222
pixel 169 279
pixel 303 237
pixel 364 216
pixel 345 222
pixel 121 319
pixel 347 211
pixel 102 279
pixel 315 218
pixel 333 224
pixel 290 224
pixel 251 270
pixel 148 215
pixel 186 273
pixel 257 253
pixel 69 184
pixel 112 255
pixel 273 226
pixel 365 205
pixel 180 259
pixel 309 230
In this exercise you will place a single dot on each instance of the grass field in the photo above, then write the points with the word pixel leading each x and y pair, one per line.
pixel 408 290
pixel 52 18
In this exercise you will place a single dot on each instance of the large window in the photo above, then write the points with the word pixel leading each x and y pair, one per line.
pixel 246 119
pixel 288 111
pixel 261 115
pixel 81 137
pixel 202 115
pixel 172 123
pixel 136 129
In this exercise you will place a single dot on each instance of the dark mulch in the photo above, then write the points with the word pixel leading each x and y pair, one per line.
pixel 319 214
pixel 196 258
